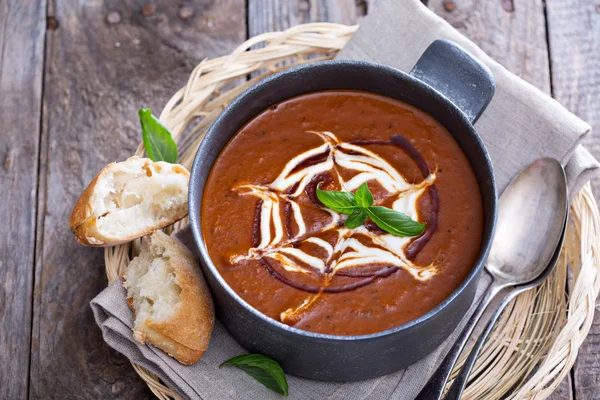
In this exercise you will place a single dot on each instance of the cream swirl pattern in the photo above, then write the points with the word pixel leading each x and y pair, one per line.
pixel 351 250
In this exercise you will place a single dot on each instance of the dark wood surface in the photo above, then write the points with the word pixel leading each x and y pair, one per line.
pixel 21 69
pixel 574 38
pixel 72 76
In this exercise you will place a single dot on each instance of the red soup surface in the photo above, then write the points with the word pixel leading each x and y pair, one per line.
pixel 293 259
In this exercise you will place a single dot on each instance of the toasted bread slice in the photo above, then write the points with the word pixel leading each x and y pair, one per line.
pixel 130 199
pixel 171 302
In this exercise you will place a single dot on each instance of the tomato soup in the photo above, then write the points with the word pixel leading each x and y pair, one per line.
pixel 294 260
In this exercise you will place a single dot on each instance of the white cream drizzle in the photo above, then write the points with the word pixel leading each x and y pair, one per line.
pixel 349 251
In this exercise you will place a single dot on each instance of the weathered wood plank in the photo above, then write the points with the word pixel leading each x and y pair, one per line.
pixel 513 33
pixel 516 39
pixel 22 29
pixel 277 15
pixel 105 61
pixel 574 33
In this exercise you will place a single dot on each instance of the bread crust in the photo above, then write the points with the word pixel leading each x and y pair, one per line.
pixel 83 222
pixel 185 335
pixel 83 209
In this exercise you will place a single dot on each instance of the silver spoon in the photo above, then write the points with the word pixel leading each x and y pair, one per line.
pixel 458 386
pixel 460 381
pixel 531 219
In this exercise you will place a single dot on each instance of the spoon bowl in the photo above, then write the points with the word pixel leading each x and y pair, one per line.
pixel 531 217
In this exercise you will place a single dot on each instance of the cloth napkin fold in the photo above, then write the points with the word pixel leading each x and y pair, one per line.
pixel 520 124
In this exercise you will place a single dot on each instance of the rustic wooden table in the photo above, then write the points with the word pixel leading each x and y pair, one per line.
pixel 72 77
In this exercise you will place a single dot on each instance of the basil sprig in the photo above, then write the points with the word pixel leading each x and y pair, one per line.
pixel 394 222
pixel 359 206
pixel 357 218
pixel 158 142
pixel 342 202
pixel 262 368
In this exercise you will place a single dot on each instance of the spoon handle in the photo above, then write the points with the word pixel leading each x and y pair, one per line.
pixel 435 385
pixel 460 381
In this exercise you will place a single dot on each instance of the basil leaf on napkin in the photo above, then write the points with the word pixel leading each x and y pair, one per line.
pixel 394 222
pixel 262 368
pixel 342 202
pixel 158 142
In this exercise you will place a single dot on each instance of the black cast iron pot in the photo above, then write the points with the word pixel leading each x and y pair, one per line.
pixel 446 83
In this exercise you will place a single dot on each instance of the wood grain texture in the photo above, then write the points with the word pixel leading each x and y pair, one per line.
pixel 574 34
pixel 22 27
pixel 277 15
pixel 512 32
pixel 105 61
pixel 516 39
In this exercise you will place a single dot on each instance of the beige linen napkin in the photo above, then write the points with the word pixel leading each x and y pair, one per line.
pixel 520 125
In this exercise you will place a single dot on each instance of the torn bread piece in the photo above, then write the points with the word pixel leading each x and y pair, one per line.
pixel 130 199
pixel 170 300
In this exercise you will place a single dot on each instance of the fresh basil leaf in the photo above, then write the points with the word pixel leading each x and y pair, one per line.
pixel 356 219
pixel 363 196
pixel 394 222
pixel 342 202
pixel 262 368
pixel 158 142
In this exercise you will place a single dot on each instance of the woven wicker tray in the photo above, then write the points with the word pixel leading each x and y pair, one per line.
pixel 534 344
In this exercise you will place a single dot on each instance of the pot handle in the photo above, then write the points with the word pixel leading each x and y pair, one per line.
pixel 458 76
